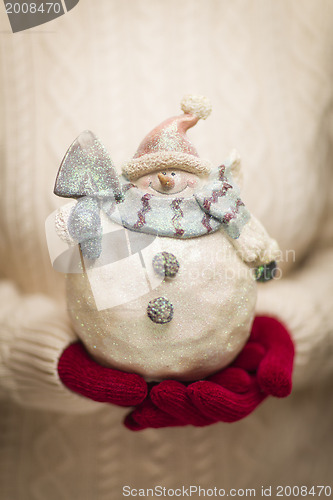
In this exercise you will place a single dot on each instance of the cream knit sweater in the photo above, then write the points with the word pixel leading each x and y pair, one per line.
pixel 119 68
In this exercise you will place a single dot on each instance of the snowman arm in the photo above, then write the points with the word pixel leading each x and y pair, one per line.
pixel 74 221
pixel 254 245
pixel 81 223
pixel 234 166
pixel 85 226
pixel 61 223
pixel 264 367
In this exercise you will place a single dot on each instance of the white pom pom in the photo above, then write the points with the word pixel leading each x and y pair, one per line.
pixel 197 105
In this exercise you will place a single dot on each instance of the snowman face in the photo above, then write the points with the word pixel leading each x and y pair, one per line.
pixel 169 182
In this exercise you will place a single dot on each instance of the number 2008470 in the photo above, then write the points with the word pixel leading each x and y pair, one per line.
pixel 302 491
pixel 33 8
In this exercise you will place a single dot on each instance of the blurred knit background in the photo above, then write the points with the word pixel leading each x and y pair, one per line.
pixel 119 69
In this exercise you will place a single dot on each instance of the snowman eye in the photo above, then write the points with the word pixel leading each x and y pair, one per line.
pixel 173 173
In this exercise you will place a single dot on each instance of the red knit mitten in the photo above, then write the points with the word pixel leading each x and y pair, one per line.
pixel 264 367
pixel 80 373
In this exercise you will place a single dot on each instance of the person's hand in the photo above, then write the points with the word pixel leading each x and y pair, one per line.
pixel 81 374
pixel 263 368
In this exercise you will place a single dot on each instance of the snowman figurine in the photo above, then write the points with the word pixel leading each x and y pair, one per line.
pixel 169 256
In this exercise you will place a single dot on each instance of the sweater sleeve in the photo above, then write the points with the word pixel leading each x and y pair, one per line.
pixel 34 331
pixel 303 302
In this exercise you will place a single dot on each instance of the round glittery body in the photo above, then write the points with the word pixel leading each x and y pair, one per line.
pixel 165 264
pixel 211 301
pixel 160 310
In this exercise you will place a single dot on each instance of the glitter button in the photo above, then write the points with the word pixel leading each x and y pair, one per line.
pixel 160 310
pixel 165 264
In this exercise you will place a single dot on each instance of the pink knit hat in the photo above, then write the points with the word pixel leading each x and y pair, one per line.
pixel 167 145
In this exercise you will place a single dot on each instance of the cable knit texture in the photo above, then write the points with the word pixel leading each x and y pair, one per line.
pixel 118 68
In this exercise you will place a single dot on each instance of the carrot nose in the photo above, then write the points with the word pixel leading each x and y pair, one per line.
pixel 166 181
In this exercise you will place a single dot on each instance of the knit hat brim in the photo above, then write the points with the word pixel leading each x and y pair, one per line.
pixel 152 162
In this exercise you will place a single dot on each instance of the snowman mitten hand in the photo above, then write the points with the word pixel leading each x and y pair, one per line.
pixel 81 374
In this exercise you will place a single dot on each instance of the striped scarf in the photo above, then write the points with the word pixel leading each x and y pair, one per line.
pixel 216 206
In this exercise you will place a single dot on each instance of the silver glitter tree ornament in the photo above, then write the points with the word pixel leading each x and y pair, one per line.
pixel 87 170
